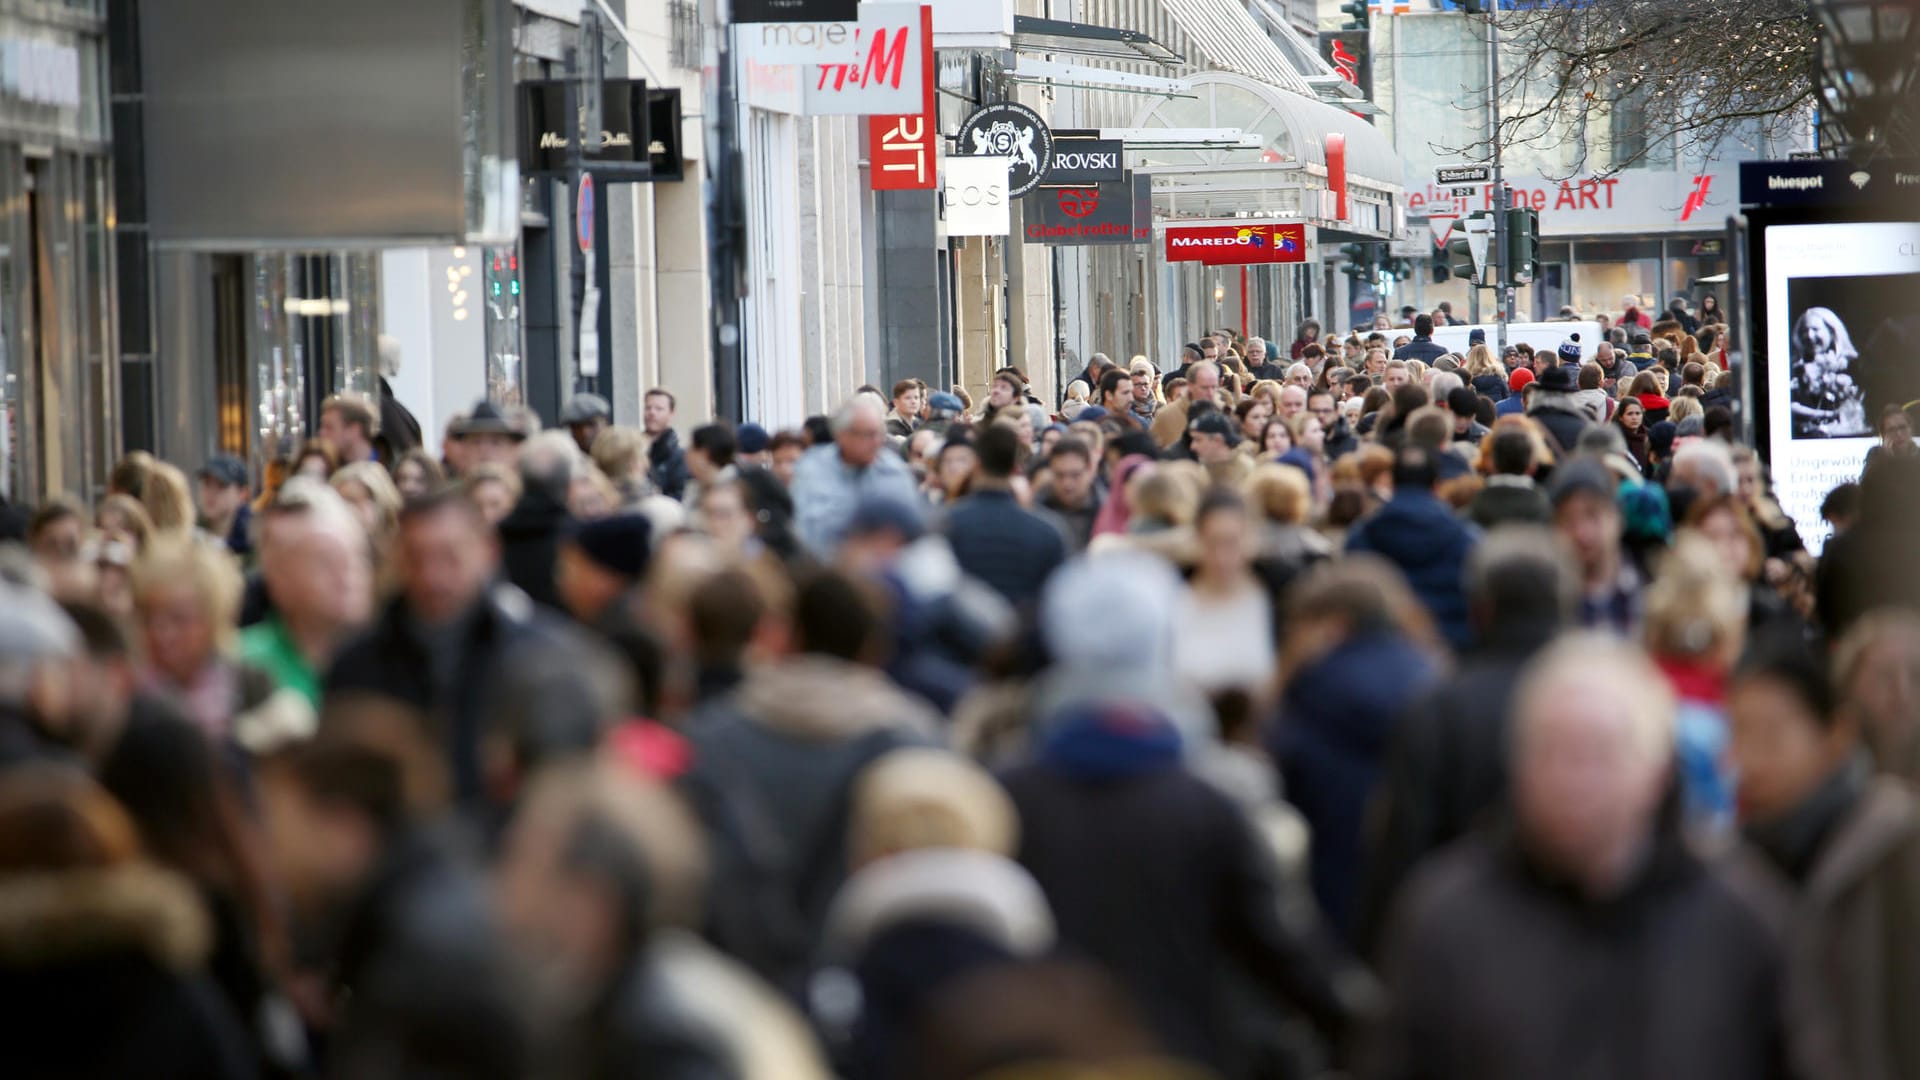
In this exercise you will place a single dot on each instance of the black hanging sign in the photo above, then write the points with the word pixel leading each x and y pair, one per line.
pixel 663 137
pixel 620 153
pixel 760 11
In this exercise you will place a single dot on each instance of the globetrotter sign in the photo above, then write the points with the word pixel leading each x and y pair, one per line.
pixel 1237 245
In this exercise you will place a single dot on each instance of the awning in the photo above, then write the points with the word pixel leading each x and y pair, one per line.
pixel 1229 39
pixel 1033 35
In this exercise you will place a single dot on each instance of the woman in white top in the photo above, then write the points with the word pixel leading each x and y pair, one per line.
pixel 1223 625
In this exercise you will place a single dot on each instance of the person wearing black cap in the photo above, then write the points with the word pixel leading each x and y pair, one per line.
pixel 750 446
pixel 600 562
pixel 224 509
pixel 1586 514
pixel 586 416
pixel 1556 407
pixel 487 438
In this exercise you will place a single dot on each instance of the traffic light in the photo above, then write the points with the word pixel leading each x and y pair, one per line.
pixel 1523 244
pixel 1471 7
pixel 1356 13
pixel 1460 260
pixel 1359 261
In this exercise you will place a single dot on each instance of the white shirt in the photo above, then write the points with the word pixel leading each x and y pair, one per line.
pixel 1224 643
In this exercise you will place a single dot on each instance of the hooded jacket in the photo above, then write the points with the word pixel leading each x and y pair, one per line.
pixel 101 977
pixel 1430 544
pixel 1562 416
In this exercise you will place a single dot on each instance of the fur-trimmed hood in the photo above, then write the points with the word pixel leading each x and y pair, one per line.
pixel 48 918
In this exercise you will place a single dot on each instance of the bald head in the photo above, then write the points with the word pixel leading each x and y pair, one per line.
pixel 1592 753
pixel 1205 379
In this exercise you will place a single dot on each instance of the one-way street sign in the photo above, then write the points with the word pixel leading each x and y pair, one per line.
pixel 1454 175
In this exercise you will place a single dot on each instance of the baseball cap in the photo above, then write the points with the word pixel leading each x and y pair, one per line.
pixel 1640 336
pixel 1519 379
pixel 944 402
pixel 751 438
pixel 225 469
pixel 585 408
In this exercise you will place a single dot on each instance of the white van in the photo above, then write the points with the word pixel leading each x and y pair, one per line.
pixel 1543 336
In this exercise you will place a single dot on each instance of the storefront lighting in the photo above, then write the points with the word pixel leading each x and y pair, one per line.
pixel 315 309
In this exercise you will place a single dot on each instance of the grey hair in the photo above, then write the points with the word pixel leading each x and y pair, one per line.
pixel 844 417
pixel 1260 341
pixel 547 463
pixel 1298 369
pixel 1712 461
pixel 1444 383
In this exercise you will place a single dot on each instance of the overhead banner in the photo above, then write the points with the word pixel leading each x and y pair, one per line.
pixel 1085 162
pixel 623 147
pixel 1104 214
pixel 902 149
pixel 1011 130
pixel 789 11
pixel 873 67
pixel 976 196
pixel 1237 245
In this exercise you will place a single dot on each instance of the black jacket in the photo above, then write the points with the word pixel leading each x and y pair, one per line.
pixel 1006 546
pixel 1506 504
pixel 1341 441
pixel 530 539
pixel 102 979
pixel 1446 771
pixel 1563 425
pixel 389 659
pixel 667 465
pixel 1160 878
pixel 1499 971
pixel 420 983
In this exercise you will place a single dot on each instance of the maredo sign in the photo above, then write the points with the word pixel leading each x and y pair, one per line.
pixel 1237 245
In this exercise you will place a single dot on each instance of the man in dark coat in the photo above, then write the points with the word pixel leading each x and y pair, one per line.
pixel 1448 765
pixel 1554 406
pixel 530 536
pixel 1511 496
pixel 666 461
pixel 1423 537
pixel 1588 939
pixel 441 646
pixel 1422 348
pixel 1869 565
pixel 994 538
pixel 1073 493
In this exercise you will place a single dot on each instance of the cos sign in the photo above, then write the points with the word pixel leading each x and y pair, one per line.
pixel 976 196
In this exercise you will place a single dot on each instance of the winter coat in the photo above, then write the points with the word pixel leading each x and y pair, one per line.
pixel 101 977
pixel 1336 725
pixel 1564 424
pixel 667 464
pixel 1078 520
pixel 421 985
pixel 1854 957
pixel 530 539
pixel 1006 546
pixel 1656 406
pixel 1502 502
pixel 826 492
pixel 774 765
pixel 1502 971
pixel 389 659
pixel 1447 770
pixel 1492 387
pixel 1423 349
pixel 1420 534
pixel 1160 878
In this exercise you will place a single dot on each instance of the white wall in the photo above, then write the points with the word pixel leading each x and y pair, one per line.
pixel 443 358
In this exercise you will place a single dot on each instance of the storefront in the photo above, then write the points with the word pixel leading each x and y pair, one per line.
pixel 59 376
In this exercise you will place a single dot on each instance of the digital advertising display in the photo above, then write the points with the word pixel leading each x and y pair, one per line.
pixel 1841 328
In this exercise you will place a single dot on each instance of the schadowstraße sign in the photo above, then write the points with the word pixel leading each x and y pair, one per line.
pixel 1120 212
pixel 1013 131
pixel 758 11
pixel 1449 175
pixel 1086 162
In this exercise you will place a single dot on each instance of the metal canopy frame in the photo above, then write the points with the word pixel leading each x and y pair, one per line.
pixel 1032 34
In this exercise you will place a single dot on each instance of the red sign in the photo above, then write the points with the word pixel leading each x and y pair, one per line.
pixel 1233 245
pixel 902 147
pixel 1337 173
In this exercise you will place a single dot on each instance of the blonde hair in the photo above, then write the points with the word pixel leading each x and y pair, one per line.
pixel 919 798
pixel 1684 406
pixel 619 452
pixel 1162 495
pixel 1280 493
pixel 1697 605
pixel 379 487
pixel 1481 361
pixel 168 499
pixel 172 561
pixel 129 509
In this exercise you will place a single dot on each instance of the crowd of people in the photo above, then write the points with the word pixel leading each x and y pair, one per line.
pixel 1354 708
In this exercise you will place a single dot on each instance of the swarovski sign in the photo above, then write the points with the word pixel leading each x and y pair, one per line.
pixel 1086 162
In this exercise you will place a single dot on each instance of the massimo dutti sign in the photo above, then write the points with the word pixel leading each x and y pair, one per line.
pixel 624 144
pixel 1085 162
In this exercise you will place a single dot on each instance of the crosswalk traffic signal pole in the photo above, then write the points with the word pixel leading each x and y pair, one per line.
pixel 1500 272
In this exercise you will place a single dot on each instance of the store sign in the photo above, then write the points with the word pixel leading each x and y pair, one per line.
pixel 877 67
pixel 546 133
pixel 1350 55
pixel 1083 162
pixel 976 196
pixel 1826 183
pixel 1237 245
pixel 902 148
pixel 665 151
pixel 1630 201
pixel 1120 212
pixel 1011 130
pixel 40 72
pixel 789 11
